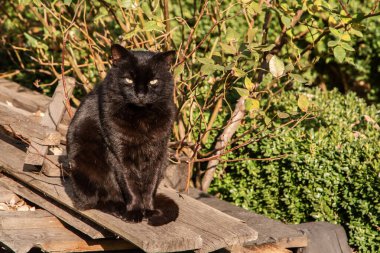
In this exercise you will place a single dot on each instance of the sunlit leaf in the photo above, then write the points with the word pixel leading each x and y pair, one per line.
pixel 208 69
pixel 298 78
pixel 227 49
pixel 333 43
pixel 286 21
pixel 252 104
pixel 339 53
pixel 242 92
pixel 347 47
pixel 282 115
pixel 248 83
pixel 276 66
pixel 238 72
pixel 303 103
pixel 335 32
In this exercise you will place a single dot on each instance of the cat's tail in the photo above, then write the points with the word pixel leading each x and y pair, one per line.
pixel 166 211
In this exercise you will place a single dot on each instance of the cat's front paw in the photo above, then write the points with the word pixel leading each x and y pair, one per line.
pixel 134 215
pixel 149 213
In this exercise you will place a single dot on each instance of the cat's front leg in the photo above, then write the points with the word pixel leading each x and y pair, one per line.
pixel 149 194
pixel 135 205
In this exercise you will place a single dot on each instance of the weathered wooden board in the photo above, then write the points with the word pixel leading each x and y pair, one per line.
pixel 51 119
pixel 21 231
pixel 264 248
pixel 17 124
pixel 269 231
pixel 197 222
pixel 21 97
pixel 94 232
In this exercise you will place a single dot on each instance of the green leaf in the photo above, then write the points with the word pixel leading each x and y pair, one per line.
pixel 254 8
pixel 154 26
pixel 356 33
pixel 303 103
pixel 67 2
pixel 335 32
pixel 208 69
pixel 286 21
pixel 33 42
pixel 128 4
pixel 232 34
pixel 347 47
pixel 282 115
pixel 289 67
pixel 276 67
pixel 206 60
pixel 339 53
pixel 179 70
pixel 131 33
pixel 248 83
pixel 333 43
pixel 267 120
pixel 23 2
pixel 252 104
pixel 298 78
pixel 346 36
pixel 146 9
pixel 238 72
pixel 228 49
pixel 267 48
pixel 242 92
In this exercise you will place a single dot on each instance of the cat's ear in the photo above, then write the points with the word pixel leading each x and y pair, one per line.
pixel 167 57
pixel 118 52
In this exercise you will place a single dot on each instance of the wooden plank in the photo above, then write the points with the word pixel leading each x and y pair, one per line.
pixel 218 230
pixel 264 248
pixel 196 221
pixel 22 97
pixel 17 124
pixel 94 232
pixel 269 231
pixel 52 118
pixel 55 166
pixel 21 231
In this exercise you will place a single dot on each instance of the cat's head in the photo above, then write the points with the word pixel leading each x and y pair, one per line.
pixel 143 77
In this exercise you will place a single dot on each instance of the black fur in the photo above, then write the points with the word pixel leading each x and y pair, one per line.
pixel 117 140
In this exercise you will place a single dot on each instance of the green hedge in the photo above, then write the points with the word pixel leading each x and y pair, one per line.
pixel 332 172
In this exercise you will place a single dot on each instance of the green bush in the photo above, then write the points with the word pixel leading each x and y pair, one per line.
pixel 331 173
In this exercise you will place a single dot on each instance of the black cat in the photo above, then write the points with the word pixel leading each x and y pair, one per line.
pixel 117 140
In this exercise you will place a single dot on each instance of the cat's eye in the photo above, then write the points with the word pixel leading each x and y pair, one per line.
pixel 128 81
pixel 153 82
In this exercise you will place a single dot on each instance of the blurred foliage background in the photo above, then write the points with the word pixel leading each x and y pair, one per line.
pixel 278 101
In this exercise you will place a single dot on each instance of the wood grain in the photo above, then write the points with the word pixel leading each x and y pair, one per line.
pixel 15 123
pixel 22 97
pixel 53 116
pixel 269 231
pixel 61 213
pixel 21 231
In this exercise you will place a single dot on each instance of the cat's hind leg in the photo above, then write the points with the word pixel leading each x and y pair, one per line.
pixel 84 192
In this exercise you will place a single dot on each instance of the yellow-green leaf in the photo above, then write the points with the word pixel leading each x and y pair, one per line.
pixel 252 104
pixel 282 115
pixel 238 72
pixel 248 83
pixel 242 92
pixel 339 53
pixel 303 103
pixel 228 49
